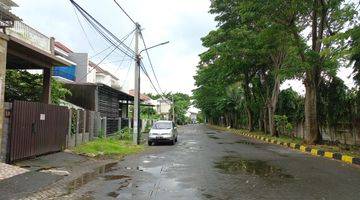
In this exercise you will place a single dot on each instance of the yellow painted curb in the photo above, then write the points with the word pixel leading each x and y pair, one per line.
pixel 303 148
pixel 328 154
pixel 314 152
pixel 347 159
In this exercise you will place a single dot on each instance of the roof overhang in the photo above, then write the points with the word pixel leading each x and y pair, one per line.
pixel 21 55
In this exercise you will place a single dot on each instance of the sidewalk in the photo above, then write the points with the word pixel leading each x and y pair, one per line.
pixel 49 176
pixel 8 171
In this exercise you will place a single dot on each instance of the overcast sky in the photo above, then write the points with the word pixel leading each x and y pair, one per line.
pixel 182 22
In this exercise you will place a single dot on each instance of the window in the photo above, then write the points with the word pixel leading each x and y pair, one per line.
pixel 162 125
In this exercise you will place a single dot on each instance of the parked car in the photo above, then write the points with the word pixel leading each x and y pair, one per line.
pixel 163 131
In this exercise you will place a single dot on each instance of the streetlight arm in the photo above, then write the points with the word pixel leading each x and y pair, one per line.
pixel 154 46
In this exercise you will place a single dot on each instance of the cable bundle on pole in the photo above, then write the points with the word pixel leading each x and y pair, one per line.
pixel 104 32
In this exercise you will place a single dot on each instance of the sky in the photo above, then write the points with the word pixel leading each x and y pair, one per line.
pixel 182 22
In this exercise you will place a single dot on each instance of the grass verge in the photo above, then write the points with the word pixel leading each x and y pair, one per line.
pixel 108 148
pixel 349 150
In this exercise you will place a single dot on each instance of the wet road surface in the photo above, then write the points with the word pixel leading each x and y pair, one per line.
pixel 208 164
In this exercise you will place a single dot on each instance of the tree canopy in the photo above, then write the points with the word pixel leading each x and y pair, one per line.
pixel 260 44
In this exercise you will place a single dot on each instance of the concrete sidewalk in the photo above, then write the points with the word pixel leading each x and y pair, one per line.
pixel 47 176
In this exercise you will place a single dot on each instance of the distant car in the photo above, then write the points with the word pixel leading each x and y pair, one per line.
pixel 163 131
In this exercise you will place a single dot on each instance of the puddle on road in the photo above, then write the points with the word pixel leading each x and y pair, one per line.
pixel 236 165
pixel 230 152
pixel 238 142
pixel 213 137
pixel 113 194
pixel 244 142
pixel 90 176
pixel 115 177
pixel 207 196
pixel 210 133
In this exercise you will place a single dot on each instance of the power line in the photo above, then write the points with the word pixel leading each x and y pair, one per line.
pixel 125 12
pixel 124 55
pixel 147 75
pixel 83 30
pixel 98 63
pixel 105 33
pixel 142 65
pixel 102 51
pixel 127 75
pixel 150 62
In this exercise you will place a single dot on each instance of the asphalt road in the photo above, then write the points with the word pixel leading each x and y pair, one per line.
pixel 208 164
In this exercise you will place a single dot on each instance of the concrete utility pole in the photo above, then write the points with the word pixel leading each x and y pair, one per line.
pixel 136 116
pixel 173 109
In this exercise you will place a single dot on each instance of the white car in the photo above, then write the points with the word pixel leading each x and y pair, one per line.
pixel 163 131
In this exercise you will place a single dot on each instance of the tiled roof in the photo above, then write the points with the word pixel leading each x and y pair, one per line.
pixel 143 97
pixel 63 47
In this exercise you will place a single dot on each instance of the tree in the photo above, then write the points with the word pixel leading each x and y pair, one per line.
pixel 21 85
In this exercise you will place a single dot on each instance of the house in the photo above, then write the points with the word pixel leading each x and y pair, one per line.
pixel 83 70
pixel 192 113
pixel 111 104
pixel 23 47
pixel 163 108
pixel 145 100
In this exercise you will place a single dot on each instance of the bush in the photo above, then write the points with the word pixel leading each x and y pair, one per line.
pixel 124 134
pixel 282 124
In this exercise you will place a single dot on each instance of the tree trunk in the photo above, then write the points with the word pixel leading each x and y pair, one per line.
pixel 250 119
pixel 261 120
pixel 311 120
pixel 266 121
pixel 248 99
pixel 272 127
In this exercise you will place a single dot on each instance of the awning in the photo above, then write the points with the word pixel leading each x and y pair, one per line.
pixel 21 55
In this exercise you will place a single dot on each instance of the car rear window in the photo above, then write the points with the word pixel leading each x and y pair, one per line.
pixel 162 125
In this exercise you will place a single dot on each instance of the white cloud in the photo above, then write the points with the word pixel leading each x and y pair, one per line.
pixel 182 22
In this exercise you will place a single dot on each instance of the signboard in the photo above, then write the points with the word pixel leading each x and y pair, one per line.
pixel 42 117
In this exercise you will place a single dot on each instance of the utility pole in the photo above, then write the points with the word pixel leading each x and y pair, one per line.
pixel 173 109
pixel 136 116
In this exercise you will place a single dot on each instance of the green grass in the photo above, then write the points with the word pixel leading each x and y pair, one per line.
pixel 344 149
pixel 109 148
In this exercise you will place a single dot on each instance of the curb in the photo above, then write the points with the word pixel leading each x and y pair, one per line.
pixel 312 151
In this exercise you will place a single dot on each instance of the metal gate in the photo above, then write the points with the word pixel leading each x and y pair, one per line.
pixel 37 129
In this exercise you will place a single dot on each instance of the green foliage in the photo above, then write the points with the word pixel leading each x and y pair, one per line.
pixel 108 147
pixel 147 112
pixel 124 134
pixel 74 116
pixel 291 104
pixel 24 86
pixel 282 124
pixel 101 133
pixel 253 50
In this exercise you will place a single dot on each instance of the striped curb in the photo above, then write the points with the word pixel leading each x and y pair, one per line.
pixel 314 152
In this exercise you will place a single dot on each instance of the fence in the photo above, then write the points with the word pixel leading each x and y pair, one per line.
pixel 29 35
pixel 35 129
pixel 344 133
pixel 81 127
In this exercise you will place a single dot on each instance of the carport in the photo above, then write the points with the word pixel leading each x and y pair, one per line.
pixel 22 47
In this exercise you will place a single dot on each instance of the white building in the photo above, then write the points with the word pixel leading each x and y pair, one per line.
pixel 163 108
pixel 83 70
pixel 192 112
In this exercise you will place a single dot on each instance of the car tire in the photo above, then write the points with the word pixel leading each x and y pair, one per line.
pixel 150 143
pixel 176 140
pixel 173 142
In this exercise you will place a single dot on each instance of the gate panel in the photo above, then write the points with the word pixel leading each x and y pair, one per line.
pixel 37 129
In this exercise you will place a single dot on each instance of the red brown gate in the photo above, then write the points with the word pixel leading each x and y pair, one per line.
pixel 37 129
